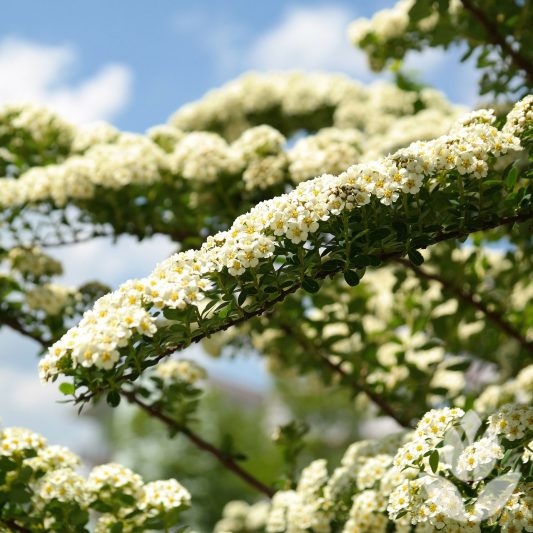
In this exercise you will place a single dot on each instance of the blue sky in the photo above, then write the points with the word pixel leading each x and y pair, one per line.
pixel 134 63
pixel 172 52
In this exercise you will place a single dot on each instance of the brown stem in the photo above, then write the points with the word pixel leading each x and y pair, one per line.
pixel 358 386
pixel 472 300
pixel 376 398
pixel 222 457
pixel 17 326
pixel 13 526
pixel 246 315
pixel 496 38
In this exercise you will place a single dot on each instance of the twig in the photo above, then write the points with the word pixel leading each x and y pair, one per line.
pixel 357 385
pixel 13 526
pixel 222 457
pixel 496 38
pixel 472 300
pixel 17 326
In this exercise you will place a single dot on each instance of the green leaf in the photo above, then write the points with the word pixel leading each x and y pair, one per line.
pixel 225 311
pixel 113 398
pixel 242 297
pixel 459 367
pixel 19 495
pixel 434 460
pixel 362 261
pixel 310 285
pixel 333 264
pixel 67 388
pixel 352 278
pixel 379 234
pixel 511 178
pixel 440 391
pixel 415 257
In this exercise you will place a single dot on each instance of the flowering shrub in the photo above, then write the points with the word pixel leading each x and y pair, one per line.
pixel 40 490
pixel 286 243
pixel 321 224
pixel 410 479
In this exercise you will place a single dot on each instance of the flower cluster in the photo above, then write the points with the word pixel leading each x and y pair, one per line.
pixel 428 433
pixel 180 370
pixel 518 389
pixel 88 135
pixel 101 157
pixel 51 298
pixel 241 517
pixel 512 421
pixel 33 262
pixel 385 24
pixel 438 500
pixel 330 147
pixel 43 482
pixel 163 496
pixel 520 117
pixel 185 279
pixel 131 160
pixel 27 133
pixel 301 509
pixel 297 98
pixel 380 487
pixel 29 271
pixel 388 25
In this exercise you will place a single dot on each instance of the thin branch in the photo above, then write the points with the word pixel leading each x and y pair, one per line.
pixel 15 325
pixel 246 315
pixel 222 457
pixel 472 300
pixel 376 398
pixel 13 526
pixel 493 34
pixel 358 386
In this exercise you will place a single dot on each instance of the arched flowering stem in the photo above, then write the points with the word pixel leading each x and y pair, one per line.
pixel 83 397
pixel 223 458
pixel 357 385
pixel 325 226
pixel 474 301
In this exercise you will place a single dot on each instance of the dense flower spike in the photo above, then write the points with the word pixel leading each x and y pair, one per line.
pixel 185 280
pixel 377 490
pixel 295 100
pixel 102 158
pixel 39 484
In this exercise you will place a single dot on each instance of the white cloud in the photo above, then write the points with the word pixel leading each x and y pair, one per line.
pixel 309 38
pixel 315 38
pixel 305 38
pixel 38 73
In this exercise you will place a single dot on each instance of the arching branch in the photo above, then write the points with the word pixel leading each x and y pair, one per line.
pixel 494 36
pixel 268 304
pixel 357 385
pixel 15 325
pixel 473 300
pixel 223 458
